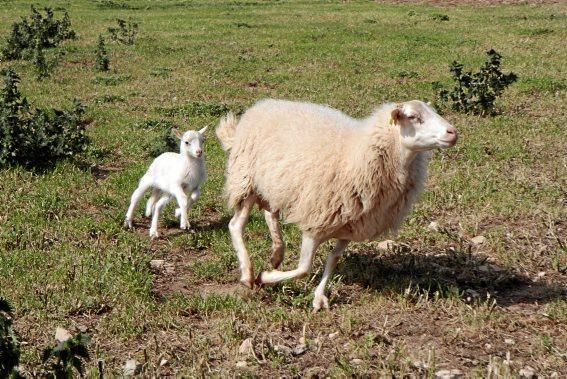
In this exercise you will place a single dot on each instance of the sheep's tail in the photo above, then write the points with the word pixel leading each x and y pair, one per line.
pixel 226 130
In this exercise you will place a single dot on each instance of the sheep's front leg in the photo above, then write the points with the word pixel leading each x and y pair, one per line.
pixel 319 299
pixel 182 201
pixel 276 234
pixel 236 227
pixel 309 246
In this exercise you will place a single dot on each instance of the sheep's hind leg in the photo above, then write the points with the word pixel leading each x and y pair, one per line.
pixel 158 207
pixel 136 196
pixel 319 299
pixel 150 205
pixel 309 246
pixel 277 241
pixel 236 227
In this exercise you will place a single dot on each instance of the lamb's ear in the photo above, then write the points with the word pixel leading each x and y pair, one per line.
pixel 177 133
pixel 203 130
pixel 396 115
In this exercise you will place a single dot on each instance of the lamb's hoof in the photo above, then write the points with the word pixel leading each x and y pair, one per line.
pixel 320 302
pixel 148 214
pixel 128 224
pixel 154 234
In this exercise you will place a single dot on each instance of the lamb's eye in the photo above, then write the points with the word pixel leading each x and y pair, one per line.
pixel 186 142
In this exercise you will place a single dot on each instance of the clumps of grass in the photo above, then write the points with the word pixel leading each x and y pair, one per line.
pixel 154 124
pixel 36 137
pixel 39 31
pixel 111 80
pixel 102 62
pixel 110 4
pixel 440 17
pixel 166 142
pixel 195 108
pixel 476 92
pixel 62 360
pixel 162 71
pixel 125 32
pixel 9 344
pixel 109 99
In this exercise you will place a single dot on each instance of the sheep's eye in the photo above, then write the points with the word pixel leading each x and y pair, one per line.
pixel 186 142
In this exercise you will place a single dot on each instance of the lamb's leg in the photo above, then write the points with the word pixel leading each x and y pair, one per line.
pixel 152 202
pixel 182 201
pixel 309 246
pixel 276 234
pixel 157 210
pixel 320 300
pixel 136 196
pixel 193 198
pixel 236 227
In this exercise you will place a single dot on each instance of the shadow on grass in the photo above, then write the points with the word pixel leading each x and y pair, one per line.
pixel 444 274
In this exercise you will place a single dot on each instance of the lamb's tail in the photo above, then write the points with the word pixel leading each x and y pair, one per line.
pixel 226 130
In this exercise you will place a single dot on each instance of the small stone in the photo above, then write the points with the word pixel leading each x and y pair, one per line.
pixel 487 346
pixel 334 335
pixel 509 341
pixel 554 375
pixel 62 335
pixel 302 340
pixel 131 368
pixel 433 226
pixel 448 374
pixel 528 372
pixel 82 328
pixel 386 244
pixel 157 264
pixel 163 362
pixel 241 364
pixel 282 349
pixel 246 347
pixel 356 361
pixel 541 274
pixel 478 240
pixel 299 349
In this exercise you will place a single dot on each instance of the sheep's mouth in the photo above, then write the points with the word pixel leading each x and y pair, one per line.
pixel 448 143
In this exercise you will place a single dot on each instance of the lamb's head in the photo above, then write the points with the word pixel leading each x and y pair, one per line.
pixel 192 142
pixel 421 128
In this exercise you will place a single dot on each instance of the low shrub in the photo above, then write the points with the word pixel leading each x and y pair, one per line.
pixel 36 137
pixel 9 344
pixel 37 31
pixel 102 61
pixel 476 92
pixel 125 32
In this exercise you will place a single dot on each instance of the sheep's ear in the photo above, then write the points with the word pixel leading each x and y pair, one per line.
pixel 203 130
pixel 396 115
pixel 177 133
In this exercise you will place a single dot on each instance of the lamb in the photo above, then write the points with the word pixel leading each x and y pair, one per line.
pixel 333 176
pixel 172 175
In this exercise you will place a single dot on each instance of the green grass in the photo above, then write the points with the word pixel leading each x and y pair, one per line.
pixel 66 261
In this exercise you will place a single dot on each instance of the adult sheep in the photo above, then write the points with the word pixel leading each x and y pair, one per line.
pixel 332 175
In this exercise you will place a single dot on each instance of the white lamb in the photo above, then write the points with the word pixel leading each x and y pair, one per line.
pixel 172 175
pixel 332 175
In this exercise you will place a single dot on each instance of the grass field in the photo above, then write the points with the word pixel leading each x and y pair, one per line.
pixel 435 301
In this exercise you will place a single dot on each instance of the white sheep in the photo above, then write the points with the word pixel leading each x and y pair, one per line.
pixel 332 175
pixel 172 175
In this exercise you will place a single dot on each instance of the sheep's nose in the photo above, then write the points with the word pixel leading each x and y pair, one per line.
pixel 451 130
pixel 198 152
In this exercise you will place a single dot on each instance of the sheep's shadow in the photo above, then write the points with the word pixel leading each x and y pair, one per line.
pixel 445 274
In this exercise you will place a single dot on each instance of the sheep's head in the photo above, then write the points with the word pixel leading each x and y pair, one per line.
pixel 192 142
pixel 421 128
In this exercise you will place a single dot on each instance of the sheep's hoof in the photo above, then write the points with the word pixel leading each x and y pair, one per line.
pixel 320 302
pixel 276 259
pixel 128 224
pixel 247 282
pixel 154 234
pixel 258 282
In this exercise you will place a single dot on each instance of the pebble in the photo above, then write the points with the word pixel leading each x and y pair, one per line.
pixel 478 240
pixel 528 372
pixel 334 335
pixel 62 335
pixel 241 364
pixel 282 349
pixel 509 341
pixel 449 374
pixel 356 361
pixel 433 226
pixel 246 346
pixel 299 349
pixel 386 244
pixel 131 368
